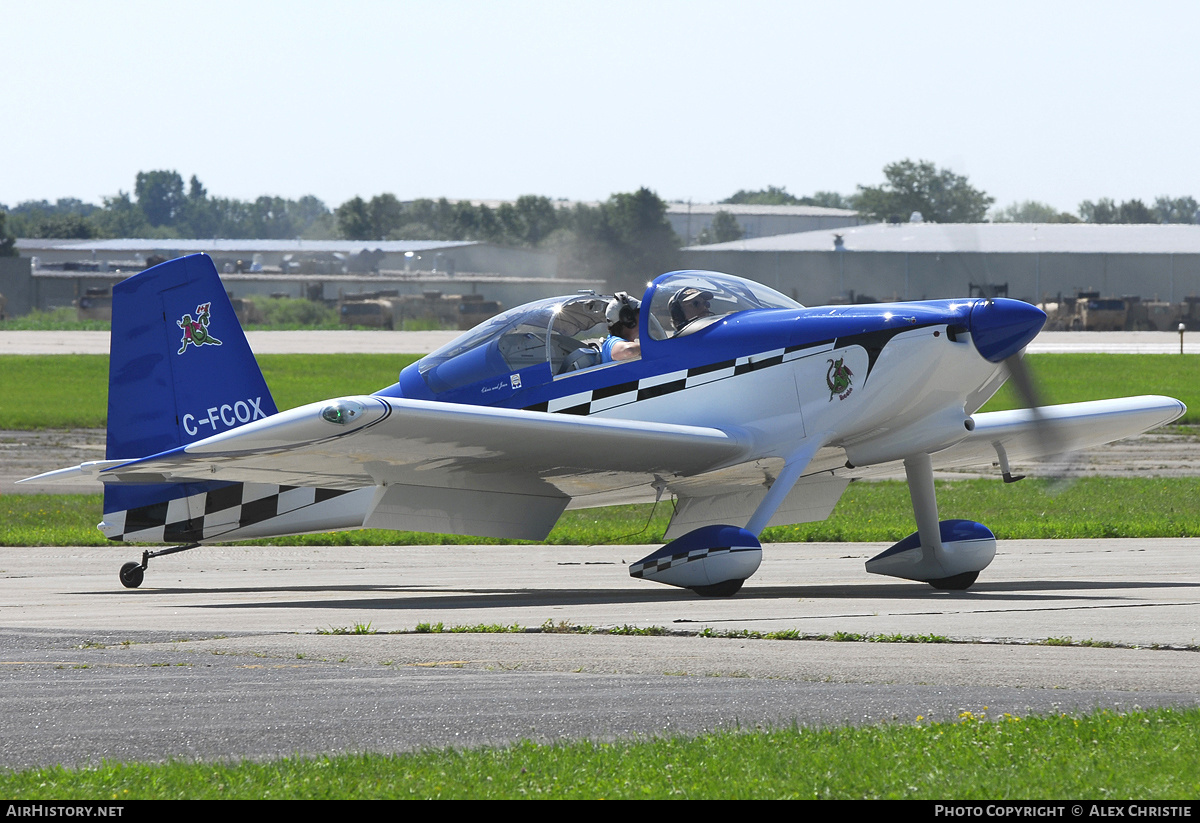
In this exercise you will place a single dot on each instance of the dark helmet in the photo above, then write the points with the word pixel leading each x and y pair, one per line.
pixel 682 296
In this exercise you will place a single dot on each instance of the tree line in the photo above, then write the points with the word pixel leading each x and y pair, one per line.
pixel 625 232
pixel 618 241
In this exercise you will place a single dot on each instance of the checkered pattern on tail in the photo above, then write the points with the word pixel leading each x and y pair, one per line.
pixel 210 514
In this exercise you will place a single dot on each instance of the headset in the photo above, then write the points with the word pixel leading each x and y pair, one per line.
pixel 622 311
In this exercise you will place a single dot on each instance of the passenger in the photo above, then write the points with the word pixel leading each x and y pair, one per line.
pixel 688 304
pixel 622 318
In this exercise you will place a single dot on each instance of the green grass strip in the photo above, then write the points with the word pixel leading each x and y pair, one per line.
pixel 882 511
pixel 1141 755
pixel 64 318
pixel 1072 378
pixel 70 391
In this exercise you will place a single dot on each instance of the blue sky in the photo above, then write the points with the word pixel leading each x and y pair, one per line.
pixel 1058 102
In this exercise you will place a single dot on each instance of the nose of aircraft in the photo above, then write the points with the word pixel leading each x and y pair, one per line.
pixel 1000 328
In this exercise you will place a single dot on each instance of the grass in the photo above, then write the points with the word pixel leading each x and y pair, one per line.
pixel 278 314
pixel 1070 378
pixel 70 391
pixel 357 628
pixel 874 512
pixel 64 318
pixel 1103 756
pixel 58 320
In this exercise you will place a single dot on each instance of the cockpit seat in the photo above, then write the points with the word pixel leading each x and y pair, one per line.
pixel 582 358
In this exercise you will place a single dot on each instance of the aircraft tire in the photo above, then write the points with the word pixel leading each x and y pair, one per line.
pixel 727 589
pixel 956 583
pixel 132 575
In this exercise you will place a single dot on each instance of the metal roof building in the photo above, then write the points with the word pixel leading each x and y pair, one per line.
pixel 689 219
pixel 324 268
pixel 915 261
pixel 398 255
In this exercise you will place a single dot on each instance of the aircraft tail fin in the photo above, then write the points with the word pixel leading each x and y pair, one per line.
pixel 180 370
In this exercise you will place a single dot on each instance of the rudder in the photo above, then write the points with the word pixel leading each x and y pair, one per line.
pixel 180 370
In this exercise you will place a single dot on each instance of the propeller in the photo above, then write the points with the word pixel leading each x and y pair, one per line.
pixel 1001 328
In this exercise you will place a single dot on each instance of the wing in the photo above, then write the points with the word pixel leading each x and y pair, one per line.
pixel 731 495
pixel 440 466
pixel 1053 430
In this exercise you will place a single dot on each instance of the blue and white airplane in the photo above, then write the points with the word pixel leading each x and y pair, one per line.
pixel 743 407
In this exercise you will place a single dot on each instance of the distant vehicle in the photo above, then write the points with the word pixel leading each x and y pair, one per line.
pixel 374 310
pixel 473 310
pixel 1101 314
pixel 1088 311
pixel 95 304
pixel 246 310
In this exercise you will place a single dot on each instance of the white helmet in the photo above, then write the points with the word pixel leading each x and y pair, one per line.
pixel 622 310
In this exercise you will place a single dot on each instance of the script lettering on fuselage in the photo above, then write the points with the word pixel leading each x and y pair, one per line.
pixel 224 416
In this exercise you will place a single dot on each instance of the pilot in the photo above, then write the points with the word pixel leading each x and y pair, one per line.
pixel 688 304
pixel 622 318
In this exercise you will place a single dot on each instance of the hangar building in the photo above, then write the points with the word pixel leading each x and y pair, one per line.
pixel 689 219
pixel 56 272
pixel 917 261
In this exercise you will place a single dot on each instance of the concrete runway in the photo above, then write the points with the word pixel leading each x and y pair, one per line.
pixel 226 652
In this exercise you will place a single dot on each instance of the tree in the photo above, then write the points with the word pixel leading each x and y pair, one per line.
pixel 1135 211
pixel 1031 211
pixel 443 219
pixel 313 218
pixel 198 215
pixel 1105 210
pixel 489 225
pixel 465 225
pixel 270 219
pixel 941 196
pixel 512 225
pixel 354 220
pixel 770 196
pixel 66 218
pixel 779 196
pixel 386 215
pixel 8 244
pixel 195 190
pixel 66 226
pixel 160 195
pixel 625 241
pixel 828 200
pixel 1177 210
pixel 121 217
pixel 723 229
pixel 538 216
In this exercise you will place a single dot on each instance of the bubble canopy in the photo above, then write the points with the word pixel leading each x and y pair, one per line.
pixel 558 331
pixel 712 295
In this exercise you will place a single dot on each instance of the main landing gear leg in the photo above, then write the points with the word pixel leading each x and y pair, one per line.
pixel 714 561
pixel 132 574
pixel 949 554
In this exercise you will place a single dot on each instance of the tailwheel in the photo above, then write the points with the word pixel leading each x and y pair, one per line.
pixel 132 575
pixel 956 583
pixel 726 589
